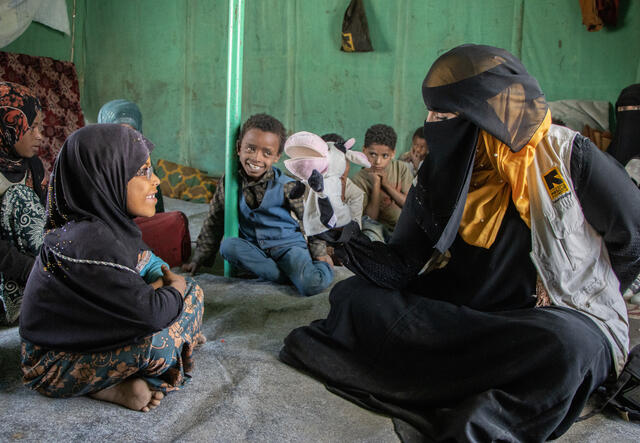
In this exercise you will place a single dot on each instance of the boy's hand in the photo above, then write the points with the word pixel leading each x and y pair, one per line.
pixel 326 259
pixel 375 178
pixel 383 177
pixel 297 191
pixel 175 280
pixel 191 268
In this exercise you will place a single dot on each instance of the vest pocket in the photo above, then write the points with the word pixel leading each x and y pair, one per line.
pixel 567 225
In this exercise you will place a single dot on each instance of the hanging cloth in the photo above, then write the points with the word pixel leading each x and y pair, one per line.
pixel 355 29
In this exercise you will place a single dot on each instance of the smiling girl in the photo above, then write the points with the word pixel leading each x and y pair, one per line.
pixel 102 315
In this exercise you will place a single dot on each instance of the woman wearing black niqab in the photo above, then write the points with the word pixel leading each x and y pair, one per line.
pixel 626 140
pixel 507 340
pixel 102 315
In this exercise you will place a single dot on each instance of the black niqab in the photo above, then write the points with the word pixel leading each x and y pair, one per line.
pixel 489 87
pixel 626 141
pixel 436 201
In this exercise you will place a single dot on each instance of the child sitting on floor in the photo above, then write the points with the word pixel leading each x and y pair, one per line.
pixel 271 242
pixel 418 152
pixel 385 183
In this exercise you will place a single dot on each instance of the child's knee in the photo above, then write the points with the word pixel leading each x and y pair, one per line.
pixel 317 280
pixel 230 249
pixel 194 289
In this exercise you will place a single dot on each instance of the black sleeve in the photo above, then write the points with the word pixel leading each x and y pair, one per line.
pixel 392 265
pixel 611 204
pixel 13 264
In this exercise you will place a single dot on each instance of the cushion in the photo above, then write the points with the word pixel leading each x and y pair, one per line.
pixel 185 182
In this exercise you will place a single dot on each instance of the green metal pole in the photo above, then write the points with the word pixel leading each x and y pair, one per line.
pixel 234 105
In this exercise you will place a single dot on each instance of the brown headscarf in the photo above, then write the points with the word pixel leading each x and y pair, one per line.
pixel 19 108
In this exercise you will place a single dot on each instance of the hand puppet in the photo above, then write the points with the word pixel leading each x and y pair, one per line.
pixel 320 165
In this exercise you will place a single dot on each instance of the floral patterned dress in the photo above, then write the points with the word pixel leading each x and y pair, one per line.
pixel 21 223
pixel 163 359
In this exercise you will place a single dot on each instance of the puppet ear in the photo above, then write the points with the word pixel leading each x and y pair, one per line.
pixel 349 143
pixel 358 158
pixel 303 167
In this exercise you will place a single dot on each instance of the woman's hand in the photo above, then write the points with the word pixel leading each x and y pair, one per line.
pixel 171 279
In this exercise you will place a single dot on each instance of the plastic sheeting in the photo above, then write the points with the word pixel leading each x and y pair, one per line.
pixel 17 15
pixel 171 57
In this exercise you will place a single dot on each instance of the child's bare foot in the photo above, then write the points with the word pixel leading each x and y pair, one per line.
pixel 156 396
pixel 133 393
pixel 201 339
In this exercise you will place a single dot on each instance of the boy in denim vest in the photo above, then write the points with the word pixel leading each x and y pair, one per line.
pixel 271 243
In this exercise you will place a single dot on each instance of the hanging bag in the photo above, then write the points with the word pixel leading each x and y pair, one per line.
pixel 624 394
pixel 355 30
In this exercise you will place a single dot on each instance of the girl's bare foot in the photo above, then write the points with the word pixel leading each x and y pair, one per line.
pixel 156 396
pixel 133 393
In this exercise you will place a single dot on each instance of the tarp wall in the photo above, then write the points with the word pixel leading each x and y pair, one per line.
pixel 170 57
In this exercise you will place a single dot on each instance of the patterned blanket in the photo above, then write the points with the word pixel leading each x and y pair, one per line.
pixel 55 83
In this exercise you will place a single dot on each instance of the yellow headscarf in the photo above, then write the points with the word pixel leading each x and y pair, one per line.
pixel 498 174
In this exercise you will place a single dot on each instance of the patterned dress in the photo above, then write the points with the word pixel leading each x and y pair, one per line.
pixel 21 223
pixel 164 359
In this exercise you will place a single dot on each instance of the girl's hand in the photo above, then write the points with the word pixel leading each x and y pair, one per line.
pixel 175 280
pixel 157 284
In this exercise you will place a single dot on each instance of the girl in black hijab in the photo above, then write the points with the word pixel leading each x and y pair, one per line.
pixel 22 193
pixel 509 338
pixel 101 314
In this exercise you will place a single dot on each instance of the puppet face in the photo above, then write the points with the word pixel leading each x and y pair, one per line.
pixel 257 152
pixel 141 192
pixel 308 152
pixel 29 144
pixel 337 163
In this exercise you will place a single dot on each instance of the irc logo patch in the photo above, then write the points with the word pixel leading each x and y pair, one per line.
pixel 347 42
pixel 556 184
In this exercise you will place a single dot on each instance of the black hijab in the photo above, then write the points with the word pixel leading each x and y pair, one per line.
pixel 89 182
pixel 489 89
pixel 626 142
pixel 85 292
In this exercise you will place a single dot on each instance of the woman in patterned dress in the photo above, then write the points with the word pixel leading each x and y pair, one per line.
pixel 22 193
pixel 101 315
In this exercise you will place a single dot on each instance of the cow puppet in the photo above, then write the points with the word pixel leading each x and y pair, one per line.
pixel 320 165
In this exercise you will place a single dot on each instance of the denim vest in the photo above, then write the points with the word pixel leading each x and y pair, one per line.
pixel 270 224
pixel 570 256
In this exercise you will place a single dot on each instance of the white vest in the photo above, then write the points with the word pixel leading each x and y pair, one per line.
pixel 570 256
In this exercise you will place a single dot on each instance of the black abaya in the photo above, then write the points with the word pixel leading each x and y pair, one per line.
pixel 460 353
